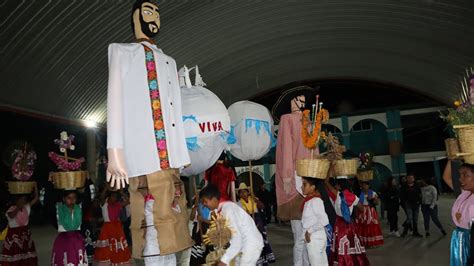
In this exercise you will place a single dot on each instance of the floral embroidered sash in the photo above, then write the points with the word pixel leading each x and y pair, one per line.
pixel 156 107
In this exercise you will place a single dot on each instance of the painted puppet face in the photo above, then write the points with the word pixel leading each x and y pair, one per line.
pixel 148 19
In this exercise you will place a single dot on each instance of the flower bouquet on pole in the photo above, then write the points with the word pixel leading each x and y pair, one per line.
pixel 22 167
pixel 365 172
pixel 311 134
pixel 70 175
pixel 339 166
pixel 461 118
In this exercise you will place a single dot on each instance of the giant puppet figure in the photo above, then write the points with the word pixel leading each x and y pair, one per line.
pixel 146 141
pixel 290 148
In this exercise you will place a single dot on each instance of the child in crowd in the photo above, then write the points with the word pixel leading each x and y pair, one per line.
pixel 246 239
pixel 255 209
pixel 200 215
pixel 367 222
pixel 90 226
pixel 18 247
pixel 69 245
pixel 346 248
pixel 125 217
pixel 315 221
pixel 111 247
pixel 429 206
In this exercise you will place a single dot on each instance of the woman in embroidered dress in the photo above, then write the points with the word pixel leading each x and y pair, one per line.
pixel 344 201
pixel 463 216
pixel 69 246
pixel 315 221
pixel 255 209
pixel 367 222
pixel 111 246
pixel 18 247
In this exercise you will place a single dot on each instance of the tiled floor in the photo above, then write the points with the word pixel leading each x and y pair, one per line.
pixel 432 251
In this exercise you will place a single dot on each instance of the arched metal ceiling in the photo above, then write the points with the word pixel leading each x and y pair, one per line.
pixel 53 53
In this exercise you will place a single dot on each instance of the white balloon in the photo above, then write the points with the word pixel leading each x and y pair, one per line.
pixel 252 127
pixel 206 126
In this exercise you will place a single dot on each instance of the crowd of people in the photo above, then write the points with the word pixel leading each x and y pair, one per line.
pixel 411 196
pixel 96 230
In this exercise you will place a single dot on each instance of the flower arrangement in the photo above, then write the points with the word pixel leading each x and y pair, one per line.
pixel 218 235
pixel 366 160
pixel 319 116
pixel 63 161
pixel 463 111
pixel 23 164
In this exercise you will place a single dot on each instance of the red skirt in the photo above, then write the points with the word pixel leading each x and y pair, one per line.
pixel 111 246
pixel 18 248
pixel 346 247
pixel 368 227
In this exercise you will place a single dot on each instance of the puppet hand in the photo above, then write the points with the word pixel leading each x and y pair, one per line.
pixel 116 172
pixel 287 186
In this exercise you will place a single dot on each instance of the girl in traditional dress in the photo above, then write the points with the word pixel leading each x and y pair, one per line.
pixel 18 246
pixel 89 227
pixel 253 208
pixel 346 248
pixel 111 246
pixel 463 216
pixel 367 221
pixel 69 246
pixel 315 222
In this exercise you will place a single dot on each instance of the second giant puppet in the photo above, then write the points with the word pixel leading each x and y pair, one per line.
pixel 146 142
pixel 290 148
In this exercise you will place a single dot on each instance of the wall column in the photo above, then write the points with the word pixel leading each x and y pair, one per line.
pixel 395 133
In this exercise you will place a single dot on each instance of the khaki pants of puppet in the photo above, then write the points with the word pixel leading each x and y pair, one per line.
pixel 172 226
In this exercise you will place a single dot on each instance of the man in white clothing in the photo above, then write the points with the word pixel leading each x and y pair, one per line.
pixel 246 239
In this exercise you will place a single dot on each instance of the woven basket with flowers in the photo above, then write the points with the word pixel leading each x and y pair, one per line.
pixel 366 172
pixel 315 166
pixel 70 175
pixel 461 118
pixel 23 166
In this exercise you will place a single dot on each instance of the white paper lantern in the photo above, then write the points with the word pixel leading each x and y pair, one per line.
pixel 252 128
pixel 206 124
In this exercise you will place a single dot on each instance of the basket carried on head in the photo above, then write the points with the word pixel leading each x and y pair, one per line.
pixel 466 142
pixel 21 187
pixel 69 180
pixel 452 147
pixel 365 175
pixel 345 167
pixel 317 168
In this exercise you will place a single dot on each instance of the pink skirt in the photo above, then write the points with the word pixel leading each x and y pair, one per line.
pixel 69 249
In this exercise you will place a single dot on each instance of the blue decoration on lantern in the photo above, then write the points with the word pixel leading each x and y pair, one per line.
pixel 192 144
